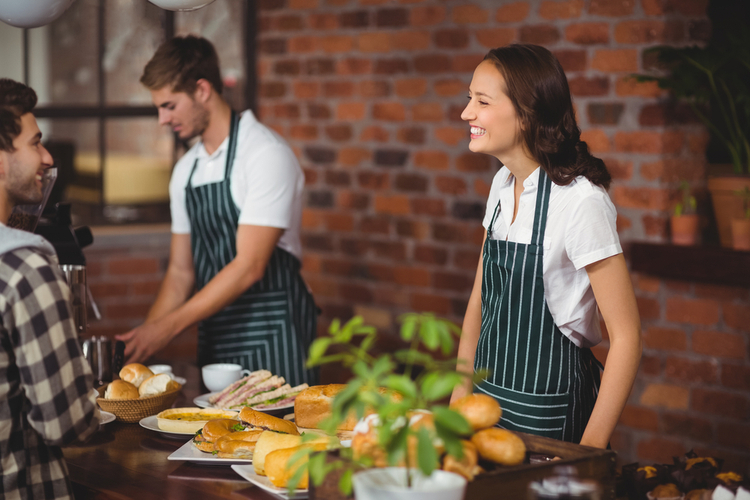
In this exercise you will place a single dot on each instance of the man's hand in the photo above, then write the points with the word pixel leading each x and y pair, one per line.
pixel 146 340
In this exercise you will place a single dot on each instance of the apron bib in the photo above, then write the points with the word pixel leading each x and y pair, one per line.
pixel 545 384
pixel 272 324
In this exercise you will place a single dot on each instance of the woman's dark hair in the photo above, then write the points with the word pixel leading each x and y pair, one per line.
pixel 537 86
pixel 180 62
pixel 16 99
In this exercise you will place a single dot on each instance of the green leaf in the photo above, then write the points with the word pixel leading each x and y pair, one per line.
pixel 429 335
pixel 427 457
pixel 408 328
pixel 345 483
pixel 383 365
pixel 437 385
pixel 317 468
pixel 401 384
pixel 334 327
pixel 319 348
pixel 451 420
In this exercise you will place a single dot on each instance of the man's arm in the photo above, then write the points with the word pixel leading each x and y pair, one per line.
pixel 55 376
pixel 178 281
pixel 255 244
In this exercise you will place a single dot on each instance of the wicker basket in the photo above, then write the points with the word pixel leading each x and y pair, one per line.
pixel 133 410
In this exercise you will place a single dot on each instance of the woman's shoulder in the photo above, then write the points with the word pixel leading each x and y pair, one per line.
pixel 580 193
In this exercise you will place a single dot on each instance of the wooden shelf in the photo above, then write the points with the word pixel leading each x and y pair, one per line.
pixel 712 264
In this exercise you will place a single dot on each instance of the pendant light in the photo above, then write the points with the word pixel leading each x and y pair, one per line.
pixel 183 5
pixel 32 13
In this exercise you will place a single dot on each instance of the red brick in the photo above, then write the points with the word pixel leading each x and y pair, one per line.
pixel 411 40
pixel 666 339
pixel 466 259
pixel 675 424
pixel 649 142
pixel 571 60
pixel 725 404
pixel 615 60
pixel 458 282
pixel 589 86
pixel 734 435
pixel 353 66
pixel 643 31
pixel 338 222
pixel 302 4
pixel 611 8
pixel 675 397
pixel 660 450
pixel 418 230
pixel 686 7
pixel 648 308
pixel 305 90
pixel 374 42
pixel 423 302
pixel 411 135
pixel 339 132
pixel 427 15
pixel 126 311
pixel 322 287
pixel 373 180
pixel 639 418
pixel 411 276
pixel 392 204
pixel 588 33
pixel 353 292
pixel 674 170
pixel 353 156
pixel 512 12
pixel 540 34
pixel 735 376
pixel 451 135
pixel 472 162
pixel 431 254
pixel 495 37
pixel 650 365
pixel 596 139
pixel 302 44
pixel 311 219
pixel 564 9
pixel 646 283
pixel 695 311
pixel 619 169
pixel 351 200
pixel 389 111
pixel 133 266
pixel 427 112
pixel 737 315
pixel 336 44
pixel 108 289
pixel 451 185
pixel 428 206
pixel 374 133
pixel 719 344
pixel 643 198
pixel 697 143
pixel 465 63
pixel 433 160
pixel 393 250
pixel 482 188
pixel 304 132
pixel 451 38
pixel 411 87
pixel 432 63
pixel 323 21
pixel 449 88
pixel 469 14
pixel 145 288
pixel 380 272
pixel 387 295
pixel 689 370
pixel 678 286
pixel 724 292
pixel 628 86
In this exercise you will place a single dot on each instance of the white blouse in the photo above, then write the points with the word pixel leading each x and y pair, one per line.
pixel 581 230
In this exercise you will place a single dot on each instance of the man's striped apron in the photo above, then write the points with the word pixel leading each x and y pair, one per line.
pixel 545 384
pixel 272 324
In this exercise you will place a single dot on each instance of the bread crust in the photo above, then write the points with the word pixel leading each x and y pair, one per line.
pixel 500 446
pixel 135 373
pixel 313 405
pixel 480 410
pixel 280 471
pixel 173 419
pixel 467 466
pixel 157 384
pixel 260 420
pixel 120 389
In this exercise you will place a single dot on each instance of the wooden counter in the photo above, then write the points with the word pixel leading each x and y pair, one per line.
pixel 126 461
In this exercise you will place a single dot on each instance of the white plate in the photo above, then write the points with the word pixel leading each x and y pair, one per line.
pixel 106 417
pixel 202 402
pixel 152 423
pixel 262 482
pixel 179 380
pixel 190 453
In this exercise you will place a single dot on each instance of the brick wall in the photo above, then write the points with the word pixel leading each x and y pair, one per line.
pixel 369 94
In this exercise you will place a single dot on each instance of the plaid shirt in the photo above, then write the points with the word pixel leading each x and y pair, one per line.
pixel 46 396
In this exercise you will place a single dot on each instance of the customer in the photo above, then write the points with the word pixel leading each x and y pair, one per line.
pixel 550 258
pixel 236 202
pixel 46 389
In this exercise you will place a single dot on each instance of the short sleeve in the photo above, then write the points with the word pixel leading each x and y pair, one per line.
pixel 591 231
pixel 177 206
pixel 269 183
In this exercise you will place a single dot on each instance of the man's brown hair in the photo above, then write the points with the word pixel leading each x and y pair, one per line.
pixel 180 62
pixel 16 99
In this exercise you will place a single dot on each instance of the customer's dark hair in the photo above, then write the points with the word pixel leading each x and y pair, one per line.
pixel 16 99
pixel 537 86
pixel 180 62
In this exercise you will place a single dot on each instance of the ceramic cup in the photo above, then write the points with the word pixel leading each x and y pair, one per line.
pixel 217 376
pixel 161 369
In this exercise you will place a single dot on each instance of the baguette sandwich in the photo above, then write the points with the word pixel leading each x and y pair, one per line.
pixel 260 390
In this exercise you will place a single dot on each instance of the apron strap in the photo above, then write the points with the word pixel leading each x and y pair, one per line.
pixel 542 204
pixel 232 147
pixel 492 222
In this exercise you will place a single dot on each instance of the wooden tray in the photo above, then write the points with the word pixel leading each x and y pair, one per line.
pixel 513 482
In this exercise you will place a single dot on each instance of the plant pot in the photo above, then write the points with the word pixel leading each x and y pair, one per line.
pixel 741 234
pixel 389 483
pixel 685 229
pixel 727 204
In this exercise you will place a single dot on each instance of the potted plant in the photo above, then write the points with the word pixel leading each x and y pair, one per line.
pixel 741 226
pixel 684 221
pixel 422 381
pixel 716 76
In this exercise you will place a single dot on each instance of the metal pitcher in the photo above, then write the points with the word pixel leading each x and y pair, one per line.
pixel 98 352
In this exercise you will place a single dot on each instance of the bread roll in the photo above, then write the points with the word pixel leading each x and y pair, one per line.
pixel 157 384
pixel 271 441
pixel 500 446
pixel 119 389
pixel 313 405
pixel 239 444
pixel 467 466
pixel 280 470
pixel 480 410
pixel 135 373
pixel 259 420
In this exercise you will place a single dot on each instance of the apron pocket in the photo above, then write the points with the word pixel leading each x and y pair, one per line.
pixel 540 414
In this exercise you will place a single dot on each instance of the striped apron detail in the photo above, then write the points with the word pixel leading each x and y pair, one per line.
pixel 272 324
pixel 545 384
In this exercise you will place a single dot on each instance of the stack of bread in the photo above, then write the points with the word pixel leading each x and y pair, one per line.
pixel 138 381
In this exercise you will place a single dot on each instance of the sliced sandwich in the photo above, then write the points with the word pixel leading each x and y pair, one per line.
pixel 281 397
pixel 251 380
pixel 249 391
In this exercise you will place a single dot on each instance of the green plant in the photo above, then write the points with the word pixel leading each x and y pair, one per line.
pixel 717 75
pixel 745 195
pixel 688 204
pixel 421 381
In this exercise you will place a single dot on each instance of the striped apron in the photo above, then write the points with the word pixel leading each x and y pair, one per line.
pixel 545 384
pixel 272 324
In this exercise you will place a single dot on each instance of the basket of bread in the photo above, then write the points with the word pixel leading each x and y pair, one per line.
pixel 139 393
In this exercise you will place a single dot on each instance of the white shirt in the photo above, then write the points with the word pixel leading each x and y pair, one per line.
pixel 266 181
pixel 581 230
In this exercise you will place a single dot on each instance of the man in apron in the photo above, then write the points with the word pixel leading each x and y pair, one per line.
pixel 236 203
